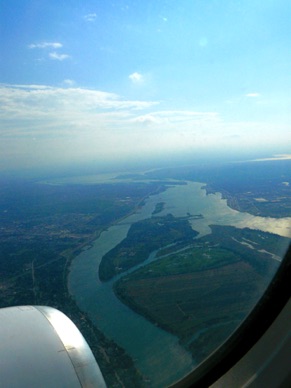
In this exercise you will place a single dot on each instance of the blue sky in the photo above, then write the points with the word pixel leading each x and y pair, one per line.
pixel 107 80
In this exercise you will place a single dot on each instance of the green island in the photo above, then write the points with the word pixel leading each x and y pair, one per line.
pixel 143 238
pixel 202 293
pixel 159 208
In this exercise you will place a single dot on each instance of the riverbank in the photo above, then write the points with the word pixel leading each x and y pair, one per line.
pixel 152 348
pixel 206 289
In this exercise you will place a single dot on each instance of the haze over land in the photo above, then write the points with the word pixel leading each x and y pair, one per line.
pixel 190 102
pixel 109 82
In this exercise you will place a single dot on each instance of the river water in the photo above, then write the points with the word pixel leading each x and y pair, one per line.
pixel 156 353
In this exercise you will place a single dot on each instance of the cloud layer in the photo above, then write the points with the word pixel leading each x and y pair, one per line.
pixel 45 124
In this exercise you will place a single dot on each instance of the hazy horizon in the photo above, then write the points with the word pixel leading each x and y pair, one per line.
pixel 109 84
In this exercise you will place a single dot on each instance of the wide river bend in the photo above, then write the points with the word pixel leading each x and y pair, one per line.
pixel 156 353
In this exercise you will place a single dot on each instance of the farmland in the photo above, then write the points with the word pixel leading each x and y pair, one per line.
pixel 203 292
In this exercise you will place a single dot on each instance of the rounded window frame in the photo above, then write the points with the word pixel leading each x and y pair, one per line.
pixel 246 336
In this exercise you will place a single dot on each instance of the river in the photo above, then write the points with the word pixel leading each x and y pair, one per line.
pixel 156 353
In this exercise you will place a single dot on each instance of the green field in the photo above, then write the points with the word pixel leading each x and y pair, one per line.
pixel 203 292
pixel 143 238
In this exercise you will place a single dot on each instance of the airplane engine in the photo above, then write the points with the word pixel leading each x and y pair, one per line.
pixel 42 347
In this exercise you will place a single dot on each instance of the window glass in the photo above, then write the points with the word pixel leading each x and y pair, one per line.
pixel 144 171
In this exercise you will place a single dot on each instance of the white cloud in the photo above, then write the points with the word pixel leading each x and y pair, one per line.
pixel 27 87
pixel 28 102
pixel 275 157
pixel 136 78
pixel 175 119
pixel 55 45
pixel 147 119
pixel 253 95
pixel 50 45
pixel 69 82
pixel 90 17
pixel 46 124
pixel 58 57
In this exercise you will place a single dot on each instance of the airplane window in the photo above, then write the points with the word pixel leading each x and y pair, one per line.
pixel 144 172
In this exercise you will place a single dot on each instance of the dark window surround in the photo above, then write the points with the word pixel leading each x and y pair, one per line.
pixel 248 333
